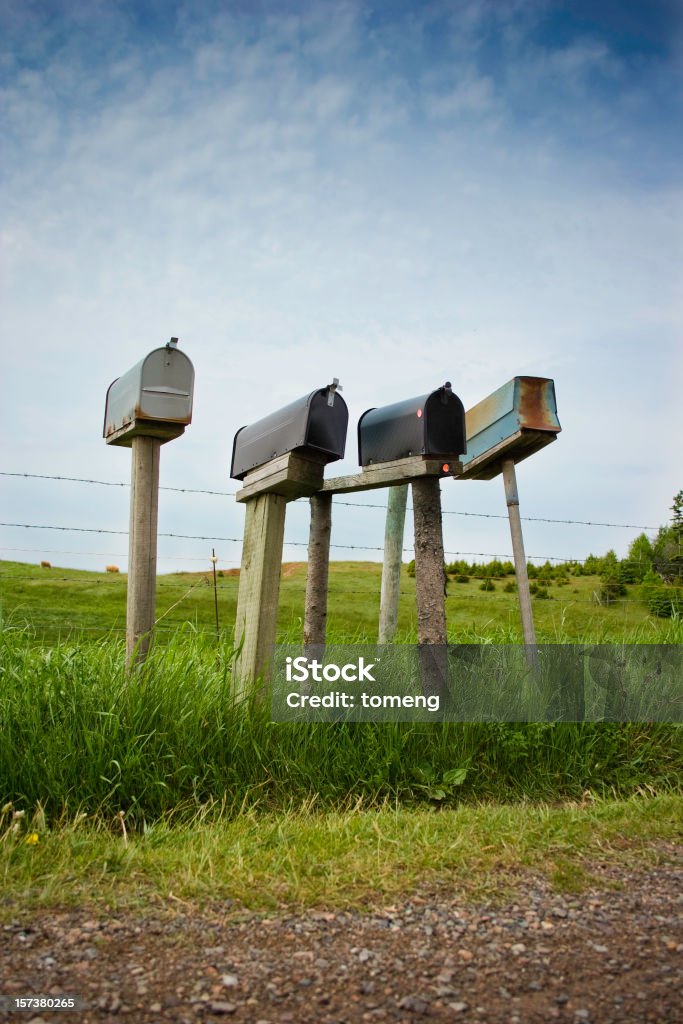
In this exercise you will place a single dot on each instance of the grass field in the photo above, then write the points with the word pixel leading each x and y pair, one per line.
pixel 56 602
pixel 163 780
pixel 359 857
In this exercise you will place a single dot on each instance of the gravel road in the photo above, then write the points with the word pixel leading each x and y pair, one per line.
pixel 612 953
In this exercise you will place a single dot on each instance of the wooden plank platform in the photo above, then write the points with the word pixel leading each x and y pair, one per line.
pixel 387 474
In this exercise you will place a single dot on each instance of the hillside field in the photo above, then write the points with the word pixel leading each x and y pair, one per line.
pixel 57 602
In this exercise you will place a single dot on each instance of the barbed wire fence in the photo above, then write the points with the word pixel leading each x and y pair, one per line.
pixel 230 585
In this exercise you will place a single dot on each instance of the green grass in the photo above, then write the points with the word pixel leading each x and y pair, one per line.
pixel 60 602
pixel 78 735
pixel 163 787
pixel 353 858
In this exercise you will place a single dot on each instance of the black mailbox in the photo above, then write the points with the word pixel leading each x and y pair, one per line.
pixel 315 424
pixel 432 425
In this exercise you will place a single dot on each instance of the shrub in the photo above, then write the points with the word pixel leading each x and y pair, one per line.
pixel 487 585
pixel 666 601
pixel 612 587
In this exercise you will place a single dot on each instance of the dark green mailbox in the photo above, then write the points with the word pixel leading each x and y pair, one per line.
pixel 432 425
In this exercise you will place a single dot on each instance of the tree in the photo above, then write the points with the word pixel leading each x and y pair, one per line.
pixel 677 518
pixel 668 545
pixel 640 558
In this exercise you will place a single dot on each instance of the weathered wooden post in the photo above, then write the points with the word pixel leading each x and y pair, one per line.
pixel 391 566
pixel 429 562
pixel 315 614
pixel 142 546
pixel 430 588
pixel 145 408
pixel 280 458
pixel 521 574
pixel 257 599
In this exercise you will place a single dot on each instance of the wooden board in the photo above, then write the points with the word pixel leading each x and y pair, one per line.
pixel 291 476
pixel 517 446
pixel 387 474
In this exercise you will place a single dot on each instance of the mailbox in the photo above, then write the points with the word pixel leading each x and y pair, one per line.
pixel 432 425
pixel 512 423
pixel 154 399
pixel 313 425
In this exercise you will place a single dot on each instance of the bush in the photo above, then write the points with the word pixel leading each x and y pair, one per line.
pixel 510 588
pixel 542 594
pixel 462 578
pixel 666 601
pixel 612 587
pixel 487 585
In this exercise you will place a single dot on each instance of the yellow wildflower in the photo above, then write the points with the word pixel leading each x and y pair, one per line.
pixel 32 838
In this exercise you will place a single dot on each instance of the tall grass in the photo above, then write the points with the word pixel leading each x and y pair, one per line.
pixel 78 735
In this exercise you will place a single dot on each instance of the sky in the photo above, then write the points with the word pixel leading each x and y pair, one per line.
pixel 393 193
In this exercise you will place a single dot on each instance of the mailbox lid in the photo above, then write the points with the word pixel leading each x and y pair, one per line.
pixel 308 424
pixel 157 389
pixel 432 424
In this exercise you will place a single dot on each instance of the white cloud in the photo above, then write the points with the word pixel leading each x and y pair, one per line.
pixel 293 208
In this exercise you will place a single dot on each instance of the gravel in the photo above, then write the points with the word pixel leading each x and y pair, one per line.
pixel 610 954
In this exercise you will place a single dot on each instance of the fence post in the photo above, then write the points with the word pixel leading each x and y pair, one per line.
pixel 430 587
pixel 521 574
pixel 315 615
pixel 257 601
pixel 142 547
pixel 391 567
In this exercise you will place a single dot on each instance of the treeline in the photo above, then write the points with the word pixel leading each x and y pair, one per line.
pixel 654 568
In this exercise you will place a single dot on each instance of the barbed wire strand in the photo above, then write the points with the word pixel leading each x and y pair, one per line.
pixel 287 543
pixel 353 504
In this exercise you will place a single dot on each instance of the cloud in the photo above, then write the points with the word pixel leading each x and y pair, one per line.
pixel 298 194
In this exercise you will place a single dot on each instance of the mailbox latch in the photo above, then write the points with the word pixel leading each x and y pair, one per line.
pixel 332 389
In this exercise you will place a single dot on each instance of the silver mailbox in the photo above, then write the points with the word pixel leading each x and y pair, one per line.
pixel 154 399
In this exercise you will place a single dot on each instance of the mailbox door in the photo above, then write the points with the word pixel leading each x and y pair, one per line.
pixel 327 424
pixel 166 387
pixel 444 416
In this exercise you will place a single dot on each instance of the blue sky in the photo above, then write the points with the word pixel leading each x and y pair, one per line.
pixel 393 193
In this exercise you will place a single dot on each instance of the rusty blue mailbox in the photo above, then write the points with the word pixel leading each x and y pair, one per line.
pixel 154 399
pixel 431 425
pixel 512 423
pixel 314 425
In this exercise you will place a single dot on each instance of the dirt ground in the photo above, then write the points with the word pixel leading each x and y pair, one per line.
pixel 612 953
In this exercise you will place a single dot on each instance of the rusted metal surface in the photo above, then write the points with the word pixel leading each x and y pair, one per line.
pixel 512 423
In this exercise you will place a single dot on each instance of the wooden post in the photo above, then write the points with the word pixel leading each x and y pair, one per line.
pixel 429 562
pixel 512 499
pixel 142 547
pixel 393 558
pixel 257 601
pixel 430 587
pixel 315 616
